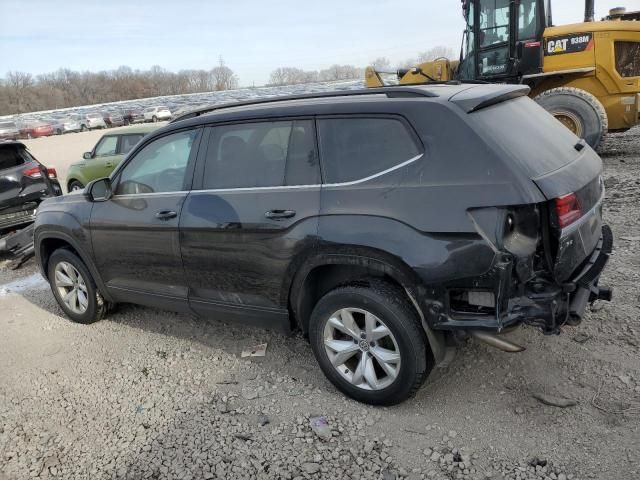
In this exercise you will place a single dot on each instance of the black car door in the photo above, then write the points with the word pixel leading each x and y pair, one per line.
pixel 135 234
pixel 253 213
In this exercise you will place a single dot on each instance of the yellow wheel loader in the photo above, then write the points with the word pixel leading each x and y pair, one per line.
pixel 586 74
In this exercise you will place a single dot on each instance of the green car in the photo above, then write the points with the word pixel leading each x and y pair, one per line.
pixel 105 156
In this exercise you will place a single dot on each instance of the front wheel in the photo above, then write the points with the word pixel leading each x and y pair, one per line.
pixel 370 344
pixel 579 111
pixel 74 288
pixel 83 128
pixel 154 119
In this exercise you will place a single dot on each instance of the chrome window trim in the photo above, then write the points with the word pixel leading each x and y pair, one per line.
pixel 276 188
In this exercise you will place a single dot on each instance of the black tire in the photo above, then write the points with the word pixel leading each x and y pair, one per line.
pixel 390 305
pixel 83 128
pixel 29 136
pixel 58 132
pixel 96 305
pixel 154 119
pixel 573 106
pixel 75 185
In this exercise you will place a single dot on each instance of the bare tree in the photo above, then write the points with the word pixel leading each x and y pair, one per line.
pixel 20 92
pixel 223 77
pixel 381 64
pixel 435 53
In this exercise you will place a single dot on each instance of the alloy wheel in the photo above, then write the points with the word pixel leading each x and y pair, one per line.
pixel 72 288
pixel 362 348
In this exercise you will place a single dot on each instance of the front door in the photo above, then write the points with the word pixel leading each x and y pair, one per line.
pixel 495 40
pixel 135 234
pixel 253 215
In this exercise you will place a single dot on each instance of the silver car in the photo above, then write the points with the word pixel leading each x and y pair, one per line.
pixel 89 121
pixel 9 131
pixel 70 125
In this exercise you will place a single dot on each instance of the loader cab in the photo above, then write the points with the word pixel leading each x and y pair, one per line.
pixel 502 39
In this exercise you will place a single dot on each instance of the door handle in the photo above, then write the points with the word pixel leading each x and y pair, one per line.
pixel 278 214
pixel 166 215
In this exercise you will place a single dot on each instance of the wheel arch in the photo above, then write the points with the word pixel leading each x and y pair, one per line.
pixel 49 242
pixel 325 271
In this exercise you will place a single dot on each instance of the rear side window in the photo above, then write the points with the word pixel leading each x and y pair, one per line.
pixel 356 148
pixel 127 142
pixel 628 59
pixel 261 154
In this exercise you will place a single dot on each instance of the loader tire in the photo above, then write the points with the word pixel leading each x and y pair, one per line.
pixel 579 111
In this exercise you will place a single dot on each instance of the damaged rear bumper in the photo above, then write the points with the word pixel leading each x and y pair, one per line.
pixel 544 302
pixel 19 244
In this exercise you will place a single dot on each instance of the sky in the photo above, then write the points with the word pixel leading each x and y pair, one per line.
pixel 253 36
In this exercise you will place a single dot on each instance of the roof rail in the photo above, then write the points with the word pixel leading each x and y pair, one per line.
pixel 390 91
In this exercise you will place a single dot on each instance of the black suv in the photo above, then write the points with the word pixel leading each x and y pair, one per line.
pixel 24 183
pixel 385 224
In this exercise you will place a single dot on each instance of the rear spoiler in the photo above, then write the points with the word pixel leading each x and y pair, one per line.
pixel 482 96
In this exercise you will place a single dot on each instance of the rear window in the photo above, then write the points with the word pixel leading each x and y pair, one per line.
pixel 356 148
pixel 536 141
pixel 10 157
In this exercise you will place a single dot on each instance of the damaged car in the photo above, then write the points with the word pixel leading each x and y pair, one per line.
pixel 385 224
pixel 24 184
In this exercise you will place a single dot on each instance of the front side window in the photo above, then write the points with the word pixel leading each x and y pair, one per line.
pixel 356 148
pixel 127 142
pixel 628 59
pixel 261 154
pixel 160 166
pixel 106 146
pixel 494 22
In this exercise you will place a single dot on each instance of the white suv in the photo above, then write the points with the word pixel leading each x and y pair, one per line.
pixel 154 114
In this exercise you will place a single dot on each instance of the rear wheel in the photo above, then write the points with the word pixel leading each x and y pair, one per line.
pixel 75 185
pixel 579 111
pixel 83 128
pixel 74 288
pixel 370 344
pixel 154 119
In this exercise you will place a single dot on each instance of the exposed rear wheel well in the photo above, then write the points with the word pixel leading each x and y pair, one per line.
pixel 325 278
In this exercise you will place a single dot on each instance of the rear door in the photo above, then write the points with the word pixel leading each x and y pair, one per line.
pixel 135 234
pixel 252 215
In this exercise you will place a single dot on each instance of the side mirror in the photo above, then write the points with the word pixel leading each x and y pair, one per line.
pixel 99 190
pixel 87 155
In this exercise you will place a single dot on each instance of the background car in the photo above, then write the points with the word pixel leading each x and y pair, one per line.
pixel 155 114
pixel 89 121
pixel 132 115
pixel 105 156
pixel 56 123
pixel 70 125
pixel 113 119
pixel 24 183
pixel 35 129
pixel 9 131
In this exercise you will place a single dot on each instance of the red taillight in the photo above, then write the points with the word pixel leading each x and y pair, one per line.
pixel 568 209
pixel 32 172
pixel 51 172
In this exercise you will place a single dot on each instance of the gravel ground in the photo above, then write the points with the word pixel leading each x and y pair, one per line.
pixel 151 394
